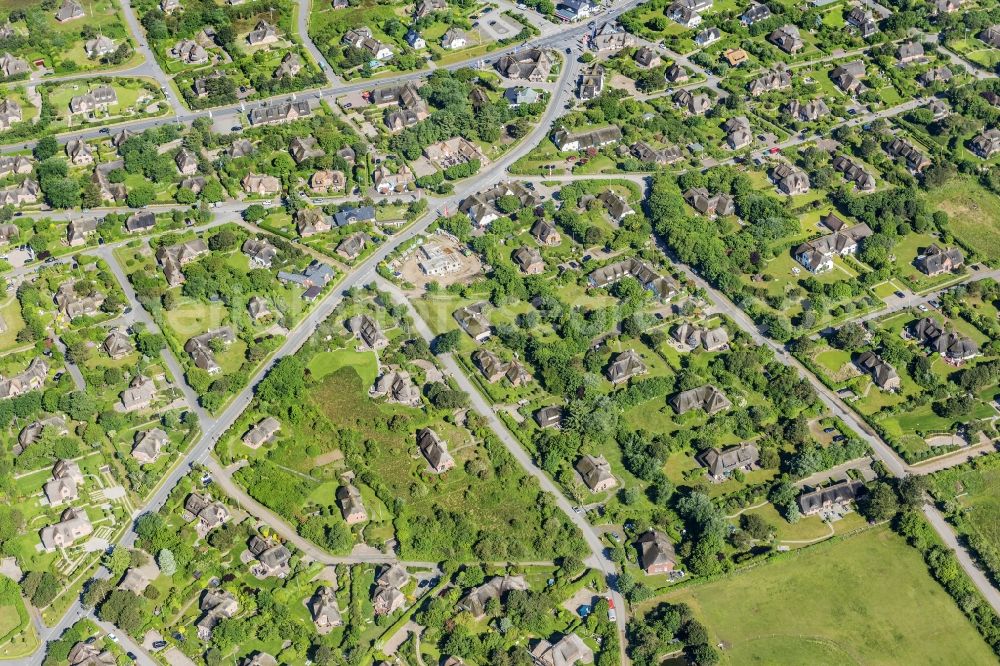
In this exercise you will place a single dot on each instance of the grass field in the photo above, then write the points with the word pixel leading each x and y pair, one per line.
pixel 867 599
pixel 978 493
pixel 10 312
pixel 973 213
pixel 364 363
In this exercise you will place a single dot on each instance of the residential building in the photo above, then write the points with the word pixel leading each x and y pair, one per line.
pixel 646 153
pixel 79 152
pixel 187 162
pixel 545 233
pixel 324 610
pixel 351 247
pixel 311 221
pixel 99 46
pixel 529 64
pixel 11 66
pixel 837 496
pixel 986 144
pixel 70 10
pixel 454 151
pixel 173 257
pixel 626 365
pixel 366 329
pixel 362 39
pixel 817 255
pixel 352 507
pixel 991 36
pixel 32 378
pixel 755 14
pixel 25 193
pixel 568 651
pixel 662 287
pixel 863 21
pixel 88 654
pixel 78 230
pixel 709 205
pixel 776 79
pixel 414 40
pixel 790 179
pixel 139 395
pixel 591 83
pixel 428 7
pixel 260 252
pixel 738 132
pixel 272 558
pixel 65 483
pixel 616 205
pixel 260 185
pixel 696 104
pixel 854 172
pixel 575 10
pixel 258 308
pixel 387 182
pixel 263 33
pixel 316 274
pixel 263 432
pixel 915 160
pixel 808 112
pixel 787 38
pixel 591 140
pixel 529 260
pixel 190 52
pixel 497 587
pixel 952 346
pixel 290 66
pixel 209 514
pixel 935 75
pixel 73 525
pixel 435 450
pixel 240 148
pixel 472 319
pixel 847 76
pixel 519 95
pixel 350 216
pixel 10 113
pixel 720 463
pixel 735 57
pixel 936 260
pixel 706 398
pixel 610 36
pixel 73 304
pixel 656 553
pixel 216 604
pixel 149 445
pixel 304 148
pixel 100 98
pixel 883 374
pixel 201 348
pixel 141 221
pixel 118 344
pixel 708 36
pixel 908 52
pixel 549 417
pixel 676 74
pixel 481 207
pixel 453 39
pixel 596 473
pixel 327 180
pixel 282 112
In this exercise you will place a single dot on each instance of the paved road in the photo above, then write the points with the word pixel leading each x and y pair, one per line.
pixel 150 68
pixel 947 534
pixel 305 7
pixel 235 114
pixel 882 451
pixel 598 557
pixel 214 428
pixel 287 532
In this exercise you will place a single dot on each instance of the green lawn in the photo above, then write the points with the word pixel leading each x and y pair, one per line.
pixel 364 363
pixel 194 317
pixel 867 599
pixel 973 213
pixel 10 312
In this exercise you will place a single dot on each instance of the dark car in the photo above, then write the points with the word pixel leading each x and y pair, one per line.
pixel 159 645
pixel 839 438
pixel 105 130
pixel 568 50
pixel 900 294
pixel 132 656
pixel 236 128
